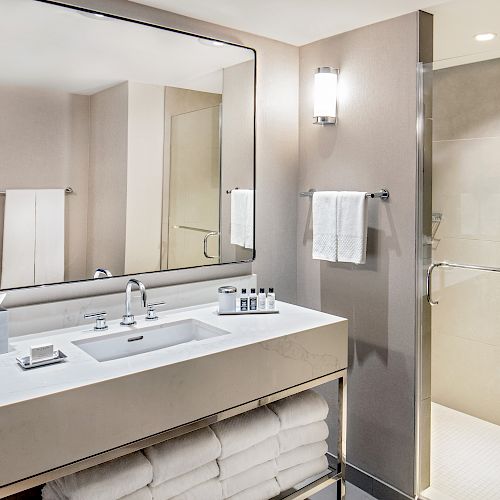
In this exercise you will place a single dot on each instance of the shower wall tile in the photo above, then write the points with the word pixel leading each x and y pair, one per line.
pixel 470 107
pixel 467 372
pixel 466 190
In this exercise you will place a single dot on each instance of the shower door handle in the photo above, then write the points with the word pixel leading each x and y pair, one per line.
pixel 205 245
pixel 456 266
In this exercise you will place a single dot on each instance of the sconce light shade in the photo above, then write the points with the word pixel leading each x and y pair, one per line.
pixel 325 96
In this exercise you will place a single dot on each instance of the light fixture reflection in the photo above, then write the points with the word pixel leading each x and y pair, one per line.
pixel 484 37
pixel 325 96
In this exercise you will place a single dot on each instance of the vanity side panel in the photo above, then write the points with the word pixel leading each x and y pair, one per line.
pixel 45 433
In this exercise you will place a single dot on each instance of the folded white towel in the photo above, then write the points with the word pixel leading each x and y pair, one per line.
pixel 249 478
pixel 183 454
pixel 301 455
pixel 244 460
pixel 111 480
pixel 301 409
pixel 185 482
pixel 209 490
pixel 243 431
pixel 242 217
pixel 263 491
pixel 295 475
pixel 324 214
pixel 142 494
pixel 352 227
pixel 290 439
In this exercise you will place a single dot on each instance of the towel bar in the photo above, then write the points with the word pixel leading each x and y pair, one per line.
pixel 383 194
pixel 68 190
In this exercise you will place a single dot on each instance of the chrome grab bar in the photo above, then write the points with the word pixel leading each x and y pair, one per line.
pixel 205 244
pixel 457 266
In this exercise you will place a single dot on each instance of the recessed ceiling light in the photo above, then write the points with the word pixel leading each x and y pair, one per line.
pixel 485 37
pixel 211 43
pixel 95 15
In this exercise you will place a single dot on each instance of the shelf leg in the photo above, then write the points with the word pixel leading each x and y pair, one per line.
pixel 342 435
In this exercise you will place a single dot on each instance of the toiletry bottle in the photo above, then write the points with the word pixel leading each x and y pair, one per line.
pixel 253 300
pixel 271 299
pixel 244 300
pixel 262 299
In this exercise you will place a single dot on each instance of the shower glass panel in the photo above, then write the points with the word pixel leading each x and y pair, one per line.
pixel 194 190
pixel 463 134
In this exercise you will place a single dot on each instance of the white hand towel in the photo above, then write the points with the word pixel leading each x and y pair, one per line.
pixel 290 439
pixel 324 213
pixel 289 478
pixel 18 256
pixel 248 479
pixel 111 480
pixel 243 431
pixel 301 455
pixel 263 491
pixel 142 494
pixel 352 227
pixel 180 484
pixel 183 454
pixel 242 217
pixel 49 236
pixel 210 490
pixel 51 492
pixel 244 460
pixel 301 409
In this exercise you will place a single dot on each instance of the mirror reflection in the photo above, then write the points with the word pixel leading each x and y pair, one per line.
pixel 124 148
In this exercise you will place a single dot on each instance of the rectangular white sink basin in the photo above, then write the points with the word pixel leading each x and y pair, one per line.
pixel 141 340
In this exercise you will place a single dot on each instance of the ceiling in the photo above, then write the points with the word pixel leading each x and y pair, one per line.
pixel 456 23
pixel 297 22
pixel 52 47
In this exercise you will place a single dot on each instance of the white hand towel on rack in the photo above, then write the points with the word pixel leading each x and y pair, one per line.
pixel 248 479
pixel 324 213
pixel 263 491
pixel 301 455
pixel 352 227
pixel 18 256
pixel 209 490
pixel 290 477
pixel 49 236
pixel 242 217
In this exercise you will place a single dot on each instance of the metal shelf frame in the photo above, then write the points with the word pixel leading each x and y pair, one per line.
pixel 336 473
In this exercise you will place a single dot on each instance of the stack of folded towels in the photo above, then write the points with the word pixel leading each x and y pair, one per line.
pixel 125 478
pixel 302 437
pixel 249 449
pixel 185 468
pixel 252 456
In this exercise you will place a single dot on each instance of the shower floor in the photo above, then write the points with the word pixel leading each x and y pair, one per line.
pixel 465 457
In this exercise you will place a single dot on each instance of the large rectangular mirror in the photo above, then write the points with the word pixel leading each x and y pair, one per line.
pixel 123 147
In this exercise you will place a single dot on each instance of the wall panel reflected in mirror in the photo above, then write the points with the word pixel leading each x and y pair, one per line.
pixel 151 129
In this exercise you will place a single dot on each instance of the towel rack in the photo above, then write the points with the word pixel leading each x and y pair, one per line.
pixel 383 194
pixel 228 191
pixel 68 190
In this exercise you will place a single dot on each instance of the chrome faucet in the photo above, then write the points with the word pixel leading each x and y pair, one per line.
pixel 102 272
pixel 128 317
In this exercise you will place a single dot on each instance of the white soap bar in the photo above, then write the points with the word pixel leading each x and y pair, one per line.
pixel 41 352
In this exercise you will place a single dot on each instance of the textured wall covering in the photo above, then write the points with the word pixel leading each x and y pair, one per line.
pixel 373 146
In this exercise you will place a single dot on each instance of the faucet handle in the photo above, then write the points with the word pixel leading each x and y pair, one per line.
pixel 100 320
pixel 151 313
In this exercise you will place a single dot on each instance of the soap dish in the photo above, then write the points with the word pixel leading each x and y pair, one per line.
pixel 25 363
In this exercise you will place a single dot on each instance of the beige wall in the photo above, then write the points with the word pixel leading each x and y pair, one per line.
pixel 108 180
pixel 144 177
pixel 237 148
pixel 44 140
pixel 466 190
pixel 373 146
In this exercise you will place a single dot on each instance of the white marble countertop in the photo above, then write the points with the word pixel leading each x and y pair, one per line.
pixel 81 369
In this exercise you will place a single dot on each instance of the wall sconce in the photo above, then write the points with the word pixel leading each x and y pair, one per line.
pixel 325 96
